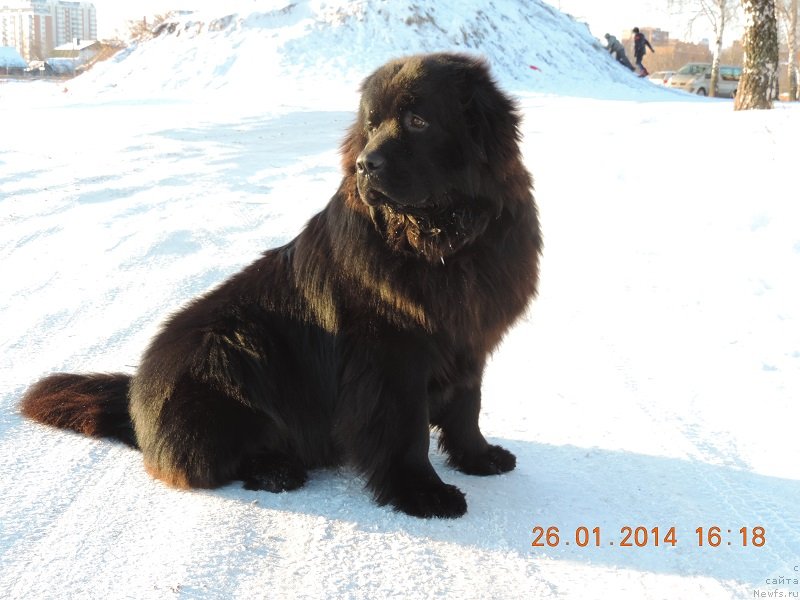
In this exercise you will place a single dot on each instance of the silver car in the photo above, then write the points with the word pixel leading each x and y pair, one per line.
pixel 661 77
pixel 695 78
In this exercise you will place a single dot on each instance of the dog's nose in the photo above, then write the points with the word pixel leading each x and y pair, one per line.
pixel 368 163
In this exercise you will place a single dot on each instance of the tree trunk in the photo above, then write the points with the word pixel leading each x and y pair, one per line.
pixel 758 85
pixel 794 92
pixel 712 86
pixel 719 31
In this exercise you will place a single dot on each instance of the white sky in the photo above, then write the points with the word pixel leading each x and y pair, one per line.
pixel 613 17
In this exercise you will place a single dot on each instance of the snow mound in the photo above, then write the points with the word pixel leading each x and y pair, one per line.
pixel 305 47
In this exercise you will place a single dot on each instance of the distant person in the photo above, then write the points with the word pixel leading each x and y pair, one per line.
pixel 640 45
pixel 617 50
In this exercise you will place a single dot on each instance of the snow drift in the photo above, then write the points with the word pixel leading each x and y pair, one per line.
pixel 338 42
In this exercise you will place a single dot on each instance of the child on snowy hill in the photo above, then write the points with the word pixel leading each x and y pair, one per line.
pixel 617 50
pixel 640 45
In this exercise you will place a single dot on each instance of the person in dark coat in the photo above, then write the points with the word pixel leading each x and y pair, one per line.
pixel 617 50
pixel 640 45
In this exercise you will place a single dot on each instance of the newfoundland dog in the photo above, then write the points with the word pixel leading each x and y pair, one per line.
pixel 346 345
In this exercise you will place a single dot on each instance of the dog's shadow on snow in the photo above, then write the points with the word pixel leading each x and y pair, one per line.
pixel 570 488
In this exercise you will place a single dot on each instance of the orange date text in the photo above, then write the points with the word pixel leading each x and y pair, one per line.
pixel 640 536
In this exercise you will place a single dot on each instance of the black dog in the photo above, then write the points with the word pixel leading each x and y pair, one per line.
pixel 347 344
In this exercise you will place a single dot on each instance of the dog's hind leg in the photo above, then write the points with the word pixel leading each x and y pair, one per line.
pixel 199 437
pixel 272 471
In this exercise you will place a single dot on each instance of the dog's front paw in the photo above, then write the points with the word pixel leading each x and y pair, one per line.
pixel 494 461
pixel 444 502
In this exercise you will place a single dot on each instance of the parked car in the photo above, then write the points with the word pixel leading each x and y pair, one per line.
pixel 695 78
pixel 661 77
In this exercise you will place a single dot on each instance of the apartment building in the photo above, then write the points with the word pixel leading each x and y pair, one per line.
pixel 35 27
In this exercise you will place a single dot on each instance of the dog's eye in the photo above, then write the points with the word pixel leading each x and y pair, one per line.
pixel 416 122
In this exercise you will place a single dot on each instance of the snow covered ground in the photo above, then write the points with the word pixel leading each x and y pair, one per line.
pixel 655 382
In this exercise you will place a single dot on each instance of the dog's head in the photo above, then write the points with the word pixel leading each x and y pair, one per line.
pixel 432 147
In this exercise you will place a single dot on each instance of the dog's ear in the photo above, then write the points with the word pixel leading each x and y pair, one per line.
pixel 491 116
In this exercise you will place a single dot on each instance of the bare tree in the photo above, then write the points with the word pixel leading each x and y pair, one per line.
pixel 758 86
pixel 794 85
pixel 140 30
pixel 787 9
pixel 717 14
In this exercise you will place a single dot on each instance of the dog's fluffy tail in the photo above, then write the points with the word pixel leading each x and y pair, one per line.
pixel 95 405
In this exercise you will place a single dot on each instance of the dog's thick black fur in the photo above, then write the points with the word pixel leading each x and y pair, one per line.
pixel 347 344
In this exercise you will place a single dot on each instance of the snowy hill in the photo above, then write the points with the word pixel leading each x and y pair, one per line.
pixel 654 384
pixel 340 41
